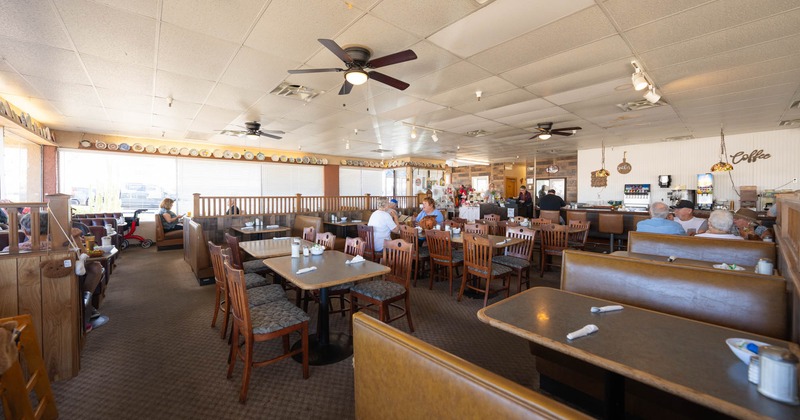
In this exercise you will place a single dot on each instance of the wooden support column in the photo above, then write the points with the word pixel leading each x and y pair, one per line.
pixel 330 176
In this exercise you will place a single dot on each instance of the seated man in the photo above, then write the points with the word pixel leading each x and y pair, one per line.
pixel 383 224
pixel 746 224
pixel 233 209
pixel 684 215
pixel 552 202
pixel 720 223
pixel 658 222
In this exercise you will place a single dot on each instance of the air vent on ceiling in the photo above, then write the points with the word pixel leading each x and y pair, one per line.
pixel 196 135
pixel 478 133
pixel 289 90
pixel 639 105
pixel 789 122
pixel 679 138
pixel 795 104
pixel 379 150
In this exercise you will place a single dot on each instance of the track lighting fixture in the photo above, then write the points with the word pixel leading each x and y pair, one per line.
pixel 414 133
pixel 434 137
pixel 638 78
pixel 652 95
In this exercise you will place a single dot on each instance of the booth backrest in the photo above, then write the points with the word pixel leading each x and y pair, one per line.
pixel 702 249
pixel 167 239
pixel 195 249
pixel 398 376
pixel 97 215
pixel 4 238
pixel 301 221
pixel 744 301
pixel 98 221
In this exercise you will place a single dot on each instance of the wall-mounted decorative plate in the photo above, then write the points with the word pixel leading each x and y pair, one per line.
pixel 261 156
pixel 248 155
pixel 237 155
pixel 100 144
pixel 174 151
pixel 194 152
pixel 163 149
pixel 184 151
pixel 86 143
pixel 284 159
pixel 113 146
pixel 205 153
pixel 217 153
pixel 227 154
pixel 124 147
pixel 275 158
pixel 324 161
pixel 150 148
pixel 138 147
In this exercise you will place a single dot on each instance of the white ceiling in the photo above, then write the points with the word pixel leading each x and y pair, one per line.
pixel 108 67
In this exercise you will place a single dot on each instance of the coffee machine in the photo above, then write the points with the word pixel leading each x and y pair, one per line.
pixel 677 195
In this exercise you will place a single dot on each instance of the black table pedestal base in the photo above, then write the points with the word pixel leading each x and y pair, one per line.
pixel 340 347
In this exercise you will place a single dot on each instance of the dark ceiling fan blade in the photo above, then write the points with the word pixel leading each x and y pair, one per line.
pixel 389 80
pixel 566 129
pixel 398 57
pixel 535 136
pixel 272 132
pixel 346 88
pixel 272 136
pixel 301 71
pixel 336 49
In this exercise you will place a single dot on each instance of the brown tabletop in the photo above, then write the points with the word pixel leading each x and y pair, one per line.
pixel 244 230
pixel 493 239
pixel 331 271
pixel 680 261
pixel 683 357
pixel 271 248
pixel 341 227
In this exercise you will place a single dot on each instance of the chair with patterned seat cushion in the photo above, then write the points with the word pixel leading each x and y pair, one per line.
pixel 310 233
pixel 381 295
pixel 254 266
pixel 519 258
pixel 256 286
pixel 554 242
pixel 261 323
pixel 444 261
pixel 420 254
pixel 478 264
pixel 578 238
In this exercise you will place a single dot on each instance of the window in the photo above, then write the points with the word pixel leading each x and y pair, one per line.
pixel 361 181
pixel 480 183
pixel 20 169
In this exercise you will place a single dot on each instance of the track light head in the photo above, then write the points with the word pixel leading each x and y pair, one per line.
pixel 652 95
pixel 638 78
pixel 435 137
pixel 414 133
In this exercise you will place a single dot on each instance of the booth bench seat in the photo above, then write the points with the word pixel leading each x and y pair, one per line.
pixel 702 249
pixel 167 239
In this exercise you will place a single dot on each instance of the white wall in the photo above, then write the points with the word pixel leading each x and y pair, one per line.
pixel 685 159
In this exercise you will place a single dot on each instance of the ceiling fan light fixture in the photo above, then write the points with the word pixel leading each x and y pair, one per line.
pixel 356 77
pixel 545 136
pixel 253 136
pixel 652 95
pixel 435 137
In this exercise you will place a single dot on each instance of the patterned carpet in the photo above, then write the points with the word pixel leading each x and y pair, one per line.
pixel 159 358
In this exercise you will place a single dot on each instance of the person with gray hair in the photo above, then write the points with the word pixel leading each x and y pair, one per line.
pixel 719 226
pixel 658 222
pixel 383 224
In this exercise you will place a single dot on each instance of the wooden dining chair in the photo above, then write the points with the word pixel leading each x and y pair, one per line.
pixel 254 266
pixel 554 216
pixel 578 238
pixel 519 258
pixel 310 233
pixel 476 228
pixel 258 291
pixel 261 323
pixel 326 239
pixel 454 224
pixel 367 234
pixel 554 242
pixel 352 246
pixel 492 217
pixel 444 260
pixel 478 264
pixel 576 216
pixel 499 228
pixel 419 255
pixel 382 295
pixel 539 222
pixel 520 219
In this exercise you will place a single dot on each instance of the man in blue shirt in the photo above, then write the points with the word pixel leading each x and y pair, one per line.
pixel 658 223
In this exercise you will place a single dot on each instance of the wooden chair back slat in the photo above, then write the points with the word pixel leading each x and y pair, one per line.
pixel 236 255
pixel 310 233
pixel 366 233
pixel 477 255
pixel 492 217
pixel 524 249
pixel 354 246
pixel 326 239
pixel 440 244
pixel 476 228
pixel 397 256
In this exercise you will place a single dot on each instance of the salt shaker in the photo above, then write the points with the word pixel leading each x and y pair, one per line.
pixel 306 252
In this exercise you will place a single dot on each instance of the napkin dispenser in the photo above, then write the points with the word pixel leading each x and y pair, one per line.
pixel 778 376
pixel 764 266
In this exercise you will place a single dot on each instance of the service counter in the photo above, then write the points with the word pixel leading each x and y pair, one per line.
pixel 592 213
pixel 480 211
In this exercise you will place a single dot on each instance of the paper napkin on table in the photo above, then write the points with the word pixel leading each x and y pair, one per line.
pixel 278 239
pixel 306 270
pixel 357 259
pixel 356 221
pixel 271 226
pixel 247 228
pixel 503 242
pixel 582 332
pixel 609 308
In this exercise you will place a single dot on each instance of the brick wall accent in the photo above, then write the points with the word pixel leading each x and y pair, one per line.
pixel 568 168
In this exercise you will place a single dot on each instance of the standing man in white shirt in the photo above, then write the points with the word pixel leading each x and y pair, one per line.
pixel 383 224
pixel 684 215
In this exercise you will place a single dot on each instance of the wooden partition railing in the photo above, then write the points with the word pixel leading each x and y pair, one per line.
pixel 205 206
pixel 787 233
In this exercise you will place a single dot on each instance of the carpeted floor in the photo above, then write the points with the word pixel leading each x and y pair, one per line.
pixel 158 357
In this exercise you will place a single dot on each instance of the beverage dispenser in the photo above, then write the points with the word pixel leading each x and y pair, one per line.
pixel 636 196
pixel 705 191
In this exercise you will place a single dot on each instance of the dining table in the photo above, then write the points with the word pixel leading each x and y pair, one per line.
pixel 683 357
pixel 331 270
pixel 271 248
pixel 341 227
pixel 260 230
pixel 684 261
pixel 497 242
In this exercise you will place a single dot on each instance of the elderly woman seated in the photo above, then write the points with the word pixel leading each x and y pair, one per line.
pixel 719 226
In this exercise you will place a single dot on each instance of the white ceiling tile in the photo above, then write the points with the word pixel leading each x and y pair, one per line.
pixel 141 120
pixel 589 92
pixel 493 100
pixel 490 85
pixel 516 108
pixel 412 111
pixel 459 74
pixel 147 8
pixel 108 74
pixel 500 21
pixel 531 118
pixel 704 19
pixel 430 58
pixel 582 78
pixel 604 105
pixel 110 33
pixel 117 99
pixel 43 109
pixel 273 107
pixel 185 88
pixel 389 100
pixel 231 97
pixel 257 70
pixel 178 109
pixel 65 92
pixel 26 58
pixel 34 22
pixel 310 112
pixel 229 20
pixel 738 85
pixel 290 28
pixel 192 54
pixel 425 17
pixel 213 118
pixel 285 124
pixel 80 110
pixel 628 14
pixel 581 28
pixel 594 54
pixel 14 84
pixel 169 123
pixel 388 40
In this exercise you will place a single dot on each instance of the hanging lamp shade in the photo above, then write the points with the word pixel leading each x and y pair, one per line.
pixel 723 165
pixel 603 172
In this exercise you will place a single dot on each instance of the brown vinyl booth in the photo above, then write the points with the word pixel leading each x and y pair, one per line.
pixel 167 239
pixel 702 249
pixel 398 376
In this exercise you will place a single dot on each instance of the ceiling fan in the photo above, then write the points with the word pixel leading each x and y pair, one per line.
pixel 546 131
pixel 253 131
pixel 357 60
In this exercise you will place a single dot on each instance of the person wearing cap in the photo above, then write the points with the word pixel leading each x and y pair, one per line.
pixel 720 223
pixel 684 215
pixel 658 222
pixel 392 208
pixel 746 223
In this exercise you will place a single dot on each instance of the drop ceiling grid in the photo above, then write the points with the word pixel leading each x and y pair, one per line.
pixel 36 22
pixel 229 22
pixel 733 75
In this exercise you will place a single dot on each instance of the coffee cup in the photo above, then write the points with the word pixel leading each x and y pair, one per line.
pixel 764 266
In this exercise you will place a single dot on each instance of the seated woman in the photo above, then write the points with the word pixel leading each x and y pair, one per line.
pixel 169 220
pixel 719 226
